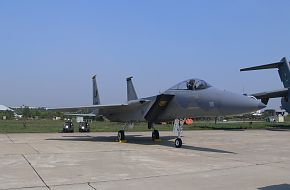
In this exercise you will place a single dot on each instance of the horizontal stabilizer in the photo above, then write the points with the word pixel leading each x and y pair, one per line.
pixel 268 66
pixel 283 69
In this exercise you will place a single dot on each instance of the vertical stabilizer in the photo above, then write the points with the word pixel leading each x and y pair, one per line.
pixel 283 69
pixel 284 72
pixel 131 93
pixel 96 97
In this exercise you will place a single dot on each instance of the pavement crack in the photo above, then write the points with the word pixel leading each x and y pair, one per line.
pixel 89 184
pixel 33 148
pixel 35 171
pixel 11 140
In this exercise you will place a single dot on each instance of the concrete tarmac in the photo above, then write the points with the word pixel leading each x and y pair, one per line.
pixel 240 160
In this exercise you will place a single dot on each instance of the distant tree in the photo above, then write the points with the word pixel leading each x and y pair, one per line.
pixel 26 113
pixel 8 114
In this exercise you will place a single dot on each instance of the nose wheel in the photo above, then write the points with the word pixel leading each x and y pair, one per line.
pixel 178 143
pixel 178 129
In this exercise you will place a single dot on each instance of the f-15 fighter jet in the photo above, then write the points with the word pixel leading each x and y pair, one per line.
pixel 188 99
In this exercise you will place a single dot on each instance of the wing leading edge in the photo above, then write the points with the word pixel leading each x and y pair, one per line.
pixel 92 107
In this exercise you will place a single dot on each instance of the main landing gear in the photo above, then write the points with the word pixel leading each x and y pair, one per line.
pixel 121 135
pixel 155 133
pixel 178 130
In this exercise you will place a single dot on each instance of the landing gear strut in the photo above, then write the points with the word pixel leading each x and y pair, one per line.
pixel 150 125
pixel 178 129
pixel 121 133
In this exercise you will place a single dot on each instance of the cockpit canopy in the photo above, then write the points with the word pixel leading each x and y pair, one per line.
pixel 191 84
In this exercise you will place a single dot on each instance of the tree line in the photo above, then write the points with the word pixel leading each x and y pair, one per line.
pixel 28 113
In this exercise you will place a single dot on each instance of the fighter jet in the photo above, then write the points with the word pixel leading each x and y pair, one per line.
pixel 284 73
pixel 191 98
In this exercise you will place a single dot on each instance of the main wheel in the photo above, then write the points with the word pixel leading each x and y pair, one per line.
pixel 155 135
pixel 121 135
pixel 178 143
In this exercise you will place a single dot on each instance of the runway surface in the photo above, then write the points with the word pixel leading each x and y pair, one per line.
pixel 240 160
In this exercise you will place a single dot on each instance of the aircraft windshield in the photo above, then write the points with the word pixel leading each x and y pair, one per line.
pixel 192 84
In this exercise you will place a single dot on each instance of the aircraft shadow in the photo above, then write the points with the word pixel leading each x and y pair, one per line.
pixel 279 128
pixel 167 141
pixel 276 187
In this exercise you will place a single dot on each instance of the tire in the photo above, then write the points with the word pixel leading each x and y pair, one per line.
pixel 155 135
pixel 121 135
pixel 178 143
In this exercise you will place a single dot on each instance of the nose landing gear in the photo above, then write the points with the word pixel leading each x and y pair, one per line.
pixel 178 130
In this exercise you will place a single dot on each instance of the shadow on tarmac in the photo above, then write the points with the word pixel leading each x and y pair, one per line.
pixel 278 128
pixel 139 140
pixel 276 187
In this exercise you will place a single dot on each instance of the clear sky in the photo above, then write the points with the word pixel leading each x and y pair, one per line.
pixel 50 49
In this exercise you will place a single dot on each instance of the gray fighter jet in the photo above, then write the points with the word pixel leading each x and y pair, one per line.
pixel 188 99
pixel 284 73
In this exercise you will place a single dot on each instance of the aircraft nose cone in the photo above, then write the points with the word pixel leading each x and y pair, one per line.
pixel 238 104
pixel 250 105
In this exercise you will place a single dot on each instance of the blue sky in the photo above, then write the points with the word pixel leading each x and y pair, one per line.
pixel 50 49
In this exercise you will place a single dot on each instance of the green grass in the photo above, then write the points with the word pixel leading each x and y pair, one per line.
pixel 49 126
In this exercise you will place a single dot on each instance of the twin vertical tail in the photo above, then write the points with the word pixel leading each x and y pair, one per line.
pixel 283 69
pixel 96 97
pixel 131 93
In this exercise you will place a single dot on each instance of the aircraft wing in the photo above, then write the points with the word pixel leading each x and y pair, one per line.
pixel 92 107
pixel 106 109
pixel 272 94
pixel 265 96
pixel 81 115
